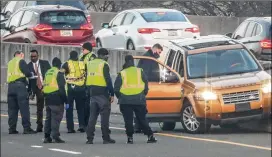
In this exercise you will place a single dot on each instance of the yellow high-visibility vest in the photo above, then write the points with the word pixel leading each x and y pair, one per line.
pixel 50 81
pixel 76 74
pixel 95 75
pixel 14 71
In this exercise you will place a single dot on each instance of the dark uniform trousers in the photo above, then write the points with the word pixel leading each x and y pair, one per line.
pixel 40 107
pixel 54 115
pixel 140 113
pixel 18 100
pixel 87 107
pixel 78 95
pixel 99 105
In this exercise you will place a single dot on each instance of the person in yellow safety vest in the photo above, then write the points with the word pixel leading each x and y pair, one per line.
pixel 102 95
pixel 17 74
pixel 75 78
pixel 131 88
pixel 86 56
pixel 55 98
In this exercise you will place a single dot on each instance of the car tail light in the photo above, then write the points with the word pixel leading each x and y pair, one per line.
pixel 266 44
pixel 193 30
pixel 88 29
pixel 42 27
pixel 147 48
pixel 89 18
pixel 148 30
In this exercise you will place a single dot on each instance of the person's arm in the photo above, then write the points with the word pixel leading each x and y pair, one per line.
pixel 145 82
pixel 106 72
pixel 61 84
pixel 66 68
pixel 24 68
pixel 92 57
pixel 117 85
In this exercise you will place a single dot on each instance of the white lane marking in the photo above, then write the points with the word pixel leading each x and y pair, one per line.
pixel 34 146
pixel 64 151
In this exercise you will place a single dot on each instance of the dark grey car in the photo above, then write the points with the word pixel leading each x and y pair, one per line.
pixel 255 34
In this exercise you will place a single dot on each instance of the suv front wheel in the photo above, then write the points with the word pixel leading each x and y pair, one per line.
pixel 167 126
pixel 189 121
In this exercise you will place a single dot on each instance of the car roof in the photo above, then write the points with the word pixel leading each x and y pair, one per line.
pixel 143 10
pixel 43 8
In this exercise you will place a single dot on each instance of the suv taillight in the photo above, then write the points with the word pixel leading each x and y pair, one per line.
pixel 42 27
pixel 193 30
pixel 266 44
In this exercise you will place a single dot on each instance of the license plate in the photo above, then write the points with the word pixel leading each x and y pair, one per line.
pixel 242 107
pixel 66 33
pixel 172 33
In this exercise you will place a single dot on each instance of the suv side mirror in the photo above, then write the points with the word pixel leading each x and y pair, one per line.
pixel 12 29
pixel 105 25
pixel 229 35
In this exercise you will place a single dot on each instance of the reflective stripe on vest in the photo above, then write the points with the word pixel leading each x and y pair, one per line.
pixel 95 75
pixel 132 83
pixel 14 71
pixel 50 81
pixel 76 74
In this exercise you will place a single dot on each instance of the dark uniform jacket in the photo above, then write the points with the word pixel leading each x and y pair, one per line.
pixel 59 97
pixel 139 99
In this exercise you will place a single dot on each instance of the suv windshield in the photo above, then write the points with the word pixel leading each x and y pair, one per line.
pixel 163 16
pixel 221 62
pixel 76 4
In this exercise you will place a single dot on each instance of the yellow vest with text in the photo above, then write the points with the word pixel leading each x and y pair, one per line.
pixel 132 83
pixel 50 81
pixel 14 71
pixel 95 75
pixel 87 57
pixel 76 74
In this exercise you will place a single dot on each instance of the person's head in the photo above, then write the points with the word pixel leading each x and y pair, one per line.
pixel 103 54
pixel 157 49
pixel 56 62
pixel 129 60
pixel 19 54
pixel 87 47
pixel 34 56
pixel 73 55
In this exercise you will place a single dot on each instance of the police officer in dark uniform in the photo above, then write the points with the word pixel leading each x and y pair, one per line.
pixel 75 78
pixel 17 93
pixel 86 56
pixel 131 88
pixel 102 95
pixel 55 97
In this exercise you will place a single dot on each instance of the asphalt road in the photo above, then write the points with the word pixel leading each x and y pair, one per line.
pixel 217 143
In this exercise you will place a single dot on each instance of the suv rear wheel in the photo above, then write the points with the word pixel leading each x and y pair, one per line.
pixel 189 121
pixel 167 126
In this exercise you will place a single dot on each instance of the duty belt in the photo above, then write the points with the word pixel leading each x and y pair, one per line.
pixel 75 79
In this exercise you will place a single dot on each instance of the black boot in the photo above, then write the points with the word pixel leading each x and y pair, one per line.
pixel 39 128
pixel 13 132
pixel 47 140
pixel 58 140
pixel 71 131
pixel 109 141
pixel 151 139
pixel 81 130
pixel 29 131
pixel 130 140
pixel 89 142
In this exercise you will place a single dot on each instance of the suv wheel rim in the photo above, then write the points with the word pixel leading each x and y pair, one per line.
pixel 189 119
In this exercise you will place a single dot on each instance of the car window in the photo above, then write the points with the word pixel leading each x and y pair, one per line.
pixel 30 3
pixel 128 19
pixel 179 64
pixel 163 16
pixel 76 4
pixel 10 6
pixel 19 5
pixel 27 17
pixel 118 20
pixel 220 62
pixel 15 19
pixel 171 56
pixel 240 30
pixel 257 30
pixel 249 29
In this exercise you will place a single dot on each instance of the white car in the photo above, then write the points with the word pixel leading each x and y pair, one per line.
pixel 140 29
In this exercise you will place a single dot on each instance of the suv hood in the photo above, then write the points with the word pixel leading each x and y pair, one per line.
pixel 231 81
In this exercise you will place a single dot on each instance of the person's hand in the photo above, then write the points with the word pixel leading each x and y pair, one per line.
pixel 111 99
pixel 66 106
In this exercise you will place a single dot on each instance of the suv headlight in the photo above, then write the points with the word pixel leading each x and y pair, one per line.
pixel 266 88
pixel 206 95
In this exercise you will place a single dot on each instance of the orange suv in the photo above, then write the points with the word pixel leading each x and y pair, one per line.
pixel 209 80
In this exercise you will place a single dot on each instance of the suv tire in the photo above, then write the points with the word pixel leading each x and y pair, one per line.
pixel 167 126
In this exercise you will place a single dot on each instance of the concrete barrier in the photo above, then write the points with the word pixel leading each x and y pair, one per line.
pixel 207 24
pixel 116 61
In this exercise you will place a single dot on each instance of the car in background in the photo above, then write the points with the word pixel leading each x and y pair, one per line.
pixel 140 29
pixel 13 6
pixel 212 80
pixel 49 24
pixel 255 34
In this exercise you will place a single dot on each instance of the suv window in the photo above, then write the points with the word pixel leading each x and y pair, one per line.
pixel 128 19
pixel 179 64
pixel 26 18
pixel 240 30
pixel 10 6
pixel 171 56
pixel 118 20
pixel 257 30
pixel 15 19
pixel 249 30
pixel 19 5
